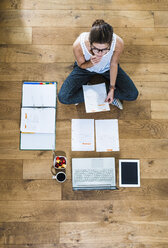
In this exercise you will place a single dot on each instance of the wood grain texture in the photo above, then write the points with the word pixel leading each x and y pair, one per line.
pixel 54 53
pixel 137 110
pixel 10 90
pixel 143 129
pixel 151 189
pixel 146 72
pixel 15 35
pixel 29 233
pixel 133 36
pixel 84 211
pixel 159 109
pixel 160 19
pixel 153 90
pixel 88 4
pixel 36 40
pixel 39 169
pixel 77 18
pixel 113 232
pixel 30 190
pixel 154 168
pixel 11 169
pixel 95 245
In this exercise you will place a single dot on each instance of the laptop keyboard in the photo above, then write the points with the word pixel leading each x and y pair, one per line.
pixel 98 176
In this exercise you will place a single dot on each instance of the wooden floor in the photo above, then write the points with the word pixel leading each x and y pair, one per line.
pixel 36 39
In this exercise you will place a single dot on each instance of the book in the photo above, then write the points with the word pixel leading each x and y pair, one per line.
pixel 93 173
pixel 38 116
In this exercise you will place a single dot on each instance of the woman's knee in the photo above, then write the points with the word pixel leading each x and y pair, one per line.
pixel 134 95
pixel 62 97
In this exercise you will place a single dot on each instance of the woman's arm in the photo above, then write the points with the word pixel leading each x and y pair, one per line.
pixel 114 68
pixel 82 63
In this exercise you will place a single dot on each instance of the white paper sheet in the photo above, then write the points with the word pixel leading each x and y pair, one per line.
pixel 38 120
pixel 82 135
pixel 95 96
pixel 107 135
pixel 37 141
pixel 36 95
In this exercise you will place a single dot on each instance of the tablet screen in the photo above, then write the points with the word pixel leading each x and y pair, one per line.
pixel 129 173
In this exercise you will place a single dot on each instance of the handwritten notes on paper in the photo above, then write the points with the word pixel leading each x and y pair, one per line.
pixel 37 120
pixel 95 96
pixel 107 135
pixel 82 135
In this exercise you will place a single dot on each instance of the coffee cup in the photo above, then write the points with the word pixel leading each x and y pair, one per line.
pixel 60 177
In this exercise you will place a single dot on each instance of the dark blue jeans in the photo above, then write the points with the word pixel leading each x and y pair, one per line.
pixel 71 91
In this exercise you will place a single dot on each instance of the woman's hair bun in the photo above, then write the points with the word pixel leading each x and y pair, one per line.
pixel 101 32
pixel 98 22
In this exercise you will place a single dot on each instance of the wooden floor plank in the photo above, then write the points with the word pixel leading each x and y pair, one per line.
pixel 160 19
pixel 59 71
pixel 18 154
pixel 11 169
pixel 29 233
pixel 15 35
pixel 35 169
pixel 10 110
pixel 147 72
pixel 145 148
pixel 77 18
pixel 55 53
pixel 114 232
pixel 154 168
pixel 143 129
pixel 40 169
pixel 88 5
pixel 133 36
pixel 132 110
pixel 95 245
pixel 9 128
pixel 151 189
pixel 10 90
pixel 106 211
pixel 30 190
pixel 152 90
pixel 159 110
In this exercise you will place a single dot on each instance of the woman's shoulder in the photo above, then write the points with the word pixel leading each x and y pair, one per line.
pixel 119 40
pixel 82 38
pixel 119 43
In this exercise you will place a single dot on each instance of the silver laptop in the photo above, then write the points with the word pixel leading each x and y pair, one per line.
pixel 93 173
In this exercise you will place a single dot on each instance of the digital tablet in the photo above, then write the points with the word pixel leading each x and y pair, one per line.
pixel 129 173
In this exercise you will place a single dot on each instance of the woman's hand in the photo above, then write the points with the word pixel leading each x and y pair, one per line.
pixel 110 96
pixel 95 60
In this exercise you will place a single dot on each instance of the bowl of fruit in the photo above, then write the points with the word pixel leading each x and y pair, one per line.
pixel 60 162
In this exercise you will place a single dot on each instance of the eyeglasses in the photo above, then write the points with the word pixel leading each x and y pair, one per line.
pixel 97 50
